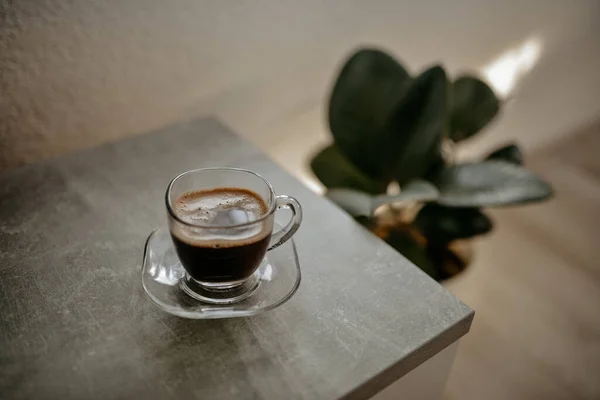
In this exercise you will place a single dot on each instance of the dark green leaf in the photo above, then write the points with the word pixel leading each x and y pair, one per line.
pixel 359 204
pixel 353 202
pixel 335 171
pixel 489 183
pixel 474 106
pixel 510 153
pixel 417 126
pixel 368 89
pixel 436 166
pixel 406 245
pixel 441 224
pixel 417 190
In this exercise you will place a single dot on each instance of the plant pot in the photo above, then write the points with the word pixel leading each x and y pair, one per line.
pixel 451 259
pixel 440 261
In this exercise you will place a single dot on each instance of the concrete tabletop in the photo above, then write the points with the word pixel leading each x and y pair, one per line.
pixel 75 322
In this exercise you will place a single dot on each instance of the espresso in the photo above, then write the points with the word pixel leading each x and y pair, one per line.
pixel 220 251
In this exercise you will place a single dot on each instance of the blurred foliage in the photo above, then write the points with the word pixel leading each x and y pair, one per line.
pixel 390 127
pixel 510 153
pixel 444 224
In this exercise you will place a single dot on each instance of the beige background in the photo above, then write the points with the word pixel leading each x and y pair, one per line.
pixel 75 74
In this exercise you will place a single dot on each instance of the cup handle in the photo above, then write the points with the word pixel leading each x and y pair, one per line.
pixel 280 237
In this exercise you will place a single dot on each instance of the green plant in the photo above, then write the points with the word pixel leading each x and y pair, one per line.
pixel 389 127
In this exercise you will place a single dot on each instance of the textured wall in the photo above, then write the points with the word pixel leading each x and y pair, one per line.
pixel 75 74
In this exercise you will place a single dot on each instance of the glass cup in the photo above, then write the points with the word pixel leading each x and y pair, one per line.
pixel 221 253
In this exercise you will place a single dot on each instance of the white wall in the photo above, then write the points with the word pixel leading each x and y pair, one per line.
pixel 426 382
pixel 75 74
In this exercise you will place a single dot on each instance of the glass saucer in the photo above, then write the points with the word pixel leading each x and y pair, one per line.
pixel 278 275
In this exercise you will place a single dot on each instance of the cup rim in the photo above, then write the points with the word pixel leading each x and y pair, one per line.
pixel 196 225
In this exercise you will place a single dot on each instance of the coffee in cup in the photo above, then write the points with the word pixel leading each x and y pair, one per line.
pixel 221 222
pixel 221 254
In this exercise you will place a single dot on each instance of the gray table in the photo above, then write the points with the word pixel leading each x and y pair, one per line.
pixel 75 322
